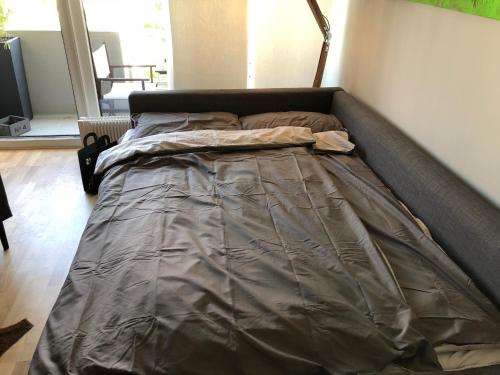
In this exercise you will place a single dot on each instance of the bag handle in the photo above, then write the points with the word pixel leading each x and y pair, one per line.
pixel 86 139
pixel 104 141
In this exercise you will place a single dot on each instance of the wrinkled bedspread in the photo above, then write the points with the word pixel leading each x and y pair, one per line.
pixel 250 262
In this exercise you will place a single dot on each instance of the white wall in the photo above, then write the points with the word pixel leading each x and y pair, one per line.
pixel 47 72
pixel 210 40
pixel 285 42
pixel 433 72
pixel 209 43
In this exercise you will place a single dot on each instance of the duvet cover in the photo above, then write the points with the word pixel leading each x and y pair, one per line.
pixel 256 255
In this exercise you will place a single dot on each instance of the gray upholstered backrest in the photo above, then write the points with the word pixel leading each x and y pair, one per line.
pixel 461 220
pixel 240 102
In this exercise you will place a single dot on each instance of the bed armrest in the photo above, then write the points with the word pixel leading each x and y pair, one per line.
pixel 465 223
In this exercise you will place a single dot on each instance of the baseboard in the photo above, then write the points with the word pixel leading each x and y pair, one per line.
pixel 8 143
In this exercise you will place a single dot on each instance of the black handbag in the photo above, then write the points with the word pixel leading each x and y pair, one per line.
pixel 87 157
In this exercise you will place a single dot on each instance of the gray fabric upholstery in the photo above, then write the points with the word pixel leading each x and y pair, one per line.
pixel 460 219
pixel 240 102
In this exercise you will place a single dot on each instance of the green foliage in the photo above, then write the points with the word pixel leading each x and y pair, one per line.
pixel 4 16
pixel 153 26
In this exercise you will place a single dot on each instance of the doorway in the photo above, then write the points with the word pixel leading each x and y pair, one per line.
pixel 131 49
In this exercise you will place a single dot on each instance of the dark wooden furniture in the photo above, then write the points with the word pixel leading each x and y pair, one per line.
pixel 160 72
pixel 5 213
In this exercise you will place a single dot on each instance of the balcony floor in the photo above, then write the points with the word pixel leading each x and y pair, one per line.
pixel 57 125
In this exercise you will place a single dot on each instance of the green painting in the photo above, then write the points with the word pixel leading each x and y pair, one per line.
pixel 484 8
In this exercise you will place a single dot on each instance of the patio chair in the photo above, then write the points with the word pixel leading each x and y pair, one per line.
pixel 119 88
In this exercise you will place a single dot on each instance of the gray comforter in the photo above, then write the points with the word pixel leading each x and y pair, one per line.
pixel 266 261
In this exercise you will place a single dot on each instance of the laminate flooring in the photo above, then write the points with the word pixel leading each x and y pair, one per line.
pixel 50 212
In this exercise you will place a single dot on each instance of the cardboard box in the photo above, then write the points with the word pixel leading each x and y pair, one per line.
pixel 14 126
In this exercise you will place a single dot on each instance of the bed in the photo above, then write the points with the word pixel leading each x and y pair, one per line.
pixel 254 251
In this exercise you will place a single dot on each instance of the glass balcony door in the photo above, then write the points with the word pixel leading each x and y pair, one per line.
pixel 130 45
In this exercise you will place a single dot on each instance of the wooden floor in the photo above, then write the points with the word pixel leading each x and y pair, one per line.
pixel 50 211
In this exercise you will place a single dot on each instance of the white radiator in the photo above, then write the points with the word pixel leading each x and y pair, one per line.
pixel 115 127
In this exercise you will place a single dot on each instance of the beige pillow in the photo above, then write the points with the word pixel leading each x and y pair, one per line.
pixel 333 141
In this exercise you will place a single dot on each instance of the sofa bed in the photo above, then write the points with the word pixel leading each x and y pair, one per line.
pixel 227 240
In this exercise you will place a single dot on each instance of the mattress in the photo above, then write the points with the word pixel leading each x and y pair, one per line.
pixel 264 260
